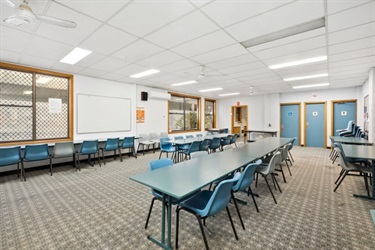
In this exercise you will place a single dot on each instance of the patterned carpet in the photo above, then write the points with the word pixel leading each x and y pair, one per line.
pixel 100 208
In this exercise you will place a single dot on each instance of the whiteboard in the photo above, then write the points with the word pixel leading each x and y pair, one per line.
pixel 97 114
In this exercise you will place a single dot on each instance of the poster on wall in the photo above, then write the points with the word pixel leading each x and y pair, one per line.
pixel 140 114
pixel 366 113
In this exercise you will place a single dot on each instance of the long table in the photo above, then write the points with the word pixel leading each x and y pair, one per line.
pixel 362 152
pixel 350 140
pixel 273 133
pixel 182 179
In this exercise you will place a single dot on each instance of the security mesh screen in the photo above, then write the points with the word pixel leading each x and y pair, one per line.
pixel 33 106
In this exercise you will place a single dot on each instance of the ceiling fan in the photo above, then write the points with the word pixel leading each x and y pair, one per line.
pixel 23 14
pixel 203 74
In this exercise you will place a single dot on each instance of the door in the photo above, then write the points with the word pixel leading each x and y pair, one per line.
pixel 239 119
pixel 290 121
pixel 343 112
pixel 315 125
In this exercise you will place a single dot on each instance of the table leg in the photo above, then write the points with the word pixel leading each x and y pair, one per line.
pixel 372 196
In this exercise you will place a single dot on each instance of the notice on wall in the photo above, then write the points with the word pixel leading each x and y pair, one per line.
pixel 315 113
pixel 54 105
pixel 343 113
pixel 140 114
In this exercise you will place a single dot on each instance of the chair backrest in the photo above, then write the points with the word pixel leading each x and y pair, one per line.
pixel 227 140
pixel 63 149
pixel 215 143
pixel 198 154
pixel 36 152
pixel 198 135
pixel 143 138
pixel 275 160
pixel 284 152
pixel 190 136
pixel 89 147
pixel 234 138
pixel 179 137
pixel 215 133
pixel 154 137
pixel 165 143
pixel 220 197
pixel 111 144
pixel 204 144
pixel 163 134
pixel 9 156
pixel 247 177
pixel 152 165
pixel 292 143
pixel 342 159
pixel 209 133
pixel 194 147
pixel 128 142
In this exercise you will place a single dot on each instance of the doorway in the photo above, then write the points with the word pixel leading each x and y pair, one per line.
pixel 239 119
pixel 290 122
pixel 315 124
pixel 343 111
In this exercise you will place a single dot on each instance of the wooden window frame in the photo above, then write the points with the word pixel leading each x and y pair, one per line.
pixel 204 111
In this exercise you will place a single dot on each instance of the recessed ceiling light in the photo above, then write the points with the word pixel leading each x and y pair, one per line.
pixel 184 83
pixel 311 86
pixel 300 62
pixel 145 73
pixel 229 94
pixel 208 90
pixel 304 77
pixel 75 56
pixel 27 92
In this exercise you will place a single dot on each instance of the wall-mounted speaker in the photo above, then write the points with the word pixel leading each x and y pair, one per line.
pixel 144 96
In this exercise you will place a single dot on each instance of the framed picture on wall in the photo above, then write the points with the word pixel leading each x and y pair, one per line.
pixel 365 113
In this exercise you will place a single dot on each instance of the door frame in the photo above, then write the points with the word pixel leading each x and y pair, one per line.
pixel 338 101
pixel 299 120
pixel 247 117
pixel 325 121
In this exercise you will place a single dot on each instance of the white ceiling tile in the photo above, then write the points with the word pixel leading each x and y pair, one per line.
pixel 42 63
pixel 352 54
pixel 90 60
pixel 143 17
pixel 71 36
pixel 67 68
pixel 352 45
pixel 112 76
pixel 98 9
pixel 205 43
pixel 48 49
pixel 296 56
pixel 350 34
pixel 9 56
pixel 92 72
pixel 179 66
pixel 131 69
pixel 138 50
pixel 13 40
pixel 221 54
pixel 352 69
pixel 109 64
pixel 229 12
pixel 234 61
pixel 107 40
pixel 352 17
pixel 358 61
pixel 159 59
pixel 297 12
pixel 185 29
pixel 336 6
pixel 303 69
pixel 200 3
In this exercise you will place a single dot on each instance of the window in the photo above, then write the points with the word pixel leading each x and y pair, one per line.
pixel 183 113
pixel 35 105
pixel 209 114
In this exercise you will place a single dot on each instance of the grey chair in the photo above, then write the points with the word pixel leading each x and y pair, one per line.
pixel 64 150
pixel 144 140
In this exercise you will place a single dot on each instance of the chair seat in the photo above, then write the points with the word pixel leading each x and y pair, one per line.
pixel 355 167
pixel 262 168
pixel 175 201
pixel 198 202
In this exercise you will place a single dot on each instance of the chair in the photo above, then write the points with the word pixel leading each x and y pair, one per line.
pixel 215 144
pixel 290 148
pixel 208 133
pixel 128 143
pixel 194 147
pixel 225 141
pixel 144 140
pixel 227 147
pixel 111 144
pixel 198 154
pixel 36 153
pixel 348 167
pixel 204 146
pixel 190 136
pixel 243 184
pixel 167 147
pixel 64 149
pixel 11 156
pixel 198 135
pixel 268 169
pixel 233 140
pixel 154 138
pixel 181 148
pixel 348 128
pixel 208 203
pixel 284 158
pixel 88 148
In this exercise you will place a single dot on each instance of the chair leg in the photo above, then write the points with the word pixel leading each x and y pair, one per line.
pixel 277 183
pixel 366 184
pixel 160 154
pixel 252 196
pixel 287 165
pixel 342 178
pixel 23 171
pixel 238 211
pixel 149 212
pixel 103 155
pixel 338 178
pixel 291 156
pixel 18 170
pixel 119 152
pixel 50 165
pixel 100 165
pixel 231 222
pixel 268 185
pixel 282 172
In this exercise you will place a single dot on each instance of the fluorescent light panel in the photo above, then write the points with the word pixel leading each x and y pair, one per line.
pixel 145 73
pixel 208 90
pixel 75 56
pixel 304 77
pixel 300 62
pixel 184 83
pixel 229 94
pixel 311 86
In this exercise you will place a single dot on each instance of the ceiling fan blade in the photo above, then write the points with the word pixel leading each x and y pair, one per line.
pixel 9 4
pixel 56 21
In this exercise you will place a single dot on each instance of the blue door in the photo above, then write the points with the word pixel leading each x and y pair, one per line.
pixel 290 122
pixel 343 112
pixel 315 134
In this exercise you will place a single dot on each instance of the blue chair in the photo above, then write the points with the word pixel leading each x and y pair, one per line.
pixel 11 156
pixel 204 146
pixel 291 147
pixel 225 141
pixel 190 136
pixel 234 139
pixel 209 203
pixel 36 153
pixel 167 147
pixel 128 143
pixel 112 144
pixel 88 148
pixel 215 144
pixel 198 135
pixel 194 147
